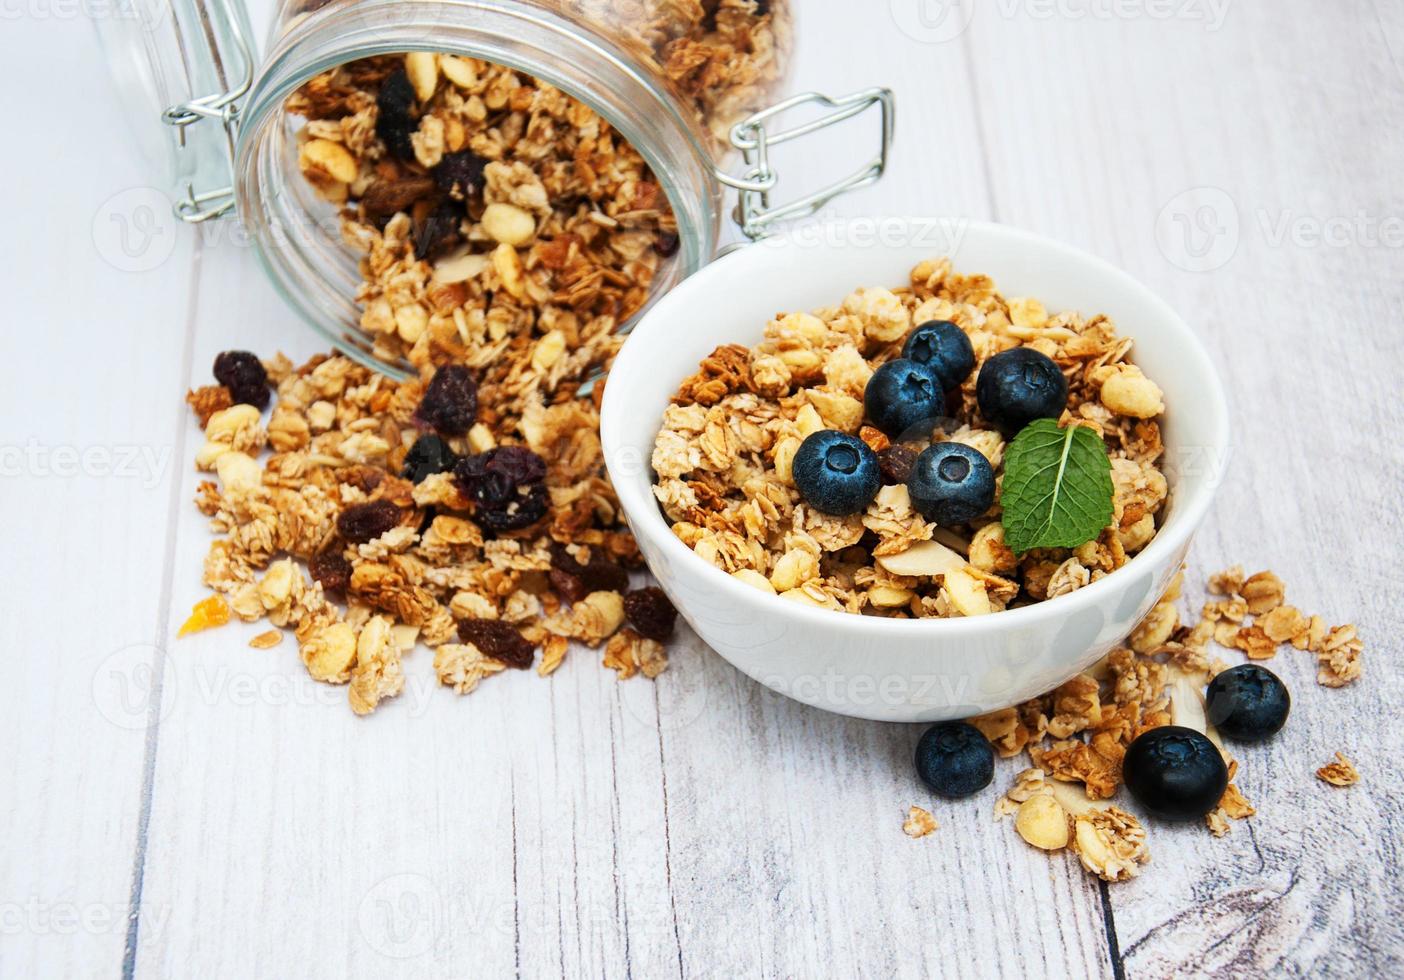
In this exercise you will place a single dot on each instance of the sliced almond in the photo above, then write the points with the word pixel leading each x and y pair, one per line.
pixel 458 70
pixel 325 157
pixel 508 224
pixel 967 592
pixel 422 67
pixel 459 266
pixel 1042 822
pixel 922 560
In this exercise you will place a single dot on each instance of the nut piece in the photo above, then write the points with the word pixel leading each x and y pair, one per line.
pixel 458 70
pixel 923 559
pixel 329 653
pixel 422 67
pixel 754 579
pixel 327 160
pixel 509 268
pixel 967 592
pixel 548 350
pixel 1129 392
pixel 1042 822
pixel 238 471
pixel 508 224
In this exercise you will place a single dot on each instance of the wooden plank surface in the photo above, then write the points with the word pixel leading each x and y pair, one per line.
pixel 704 826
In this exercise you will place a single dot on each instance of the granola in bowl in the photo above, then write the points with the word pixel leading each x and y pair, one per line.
pixel 726 455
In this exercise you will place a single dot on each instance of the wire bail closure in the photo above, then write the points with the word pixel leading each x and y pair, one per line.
pixel 753 209
pixel 203 205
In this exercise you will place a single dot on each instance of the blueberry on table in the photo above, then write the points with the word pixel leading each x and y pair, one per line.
pixel 1247 703
pixel 905 398
pixel 836 473
pixel 943 347
pixel 428 455
pixel 1176 773
pixel 1020 385
pixel 954 759
pixel 951 483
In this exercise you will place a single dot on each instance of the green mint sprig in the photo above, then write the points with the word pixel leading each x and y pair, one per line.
pixel 1057 490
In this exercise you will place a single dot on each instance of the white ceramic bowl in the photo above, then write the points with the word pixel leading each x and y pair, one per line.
pixel 888 669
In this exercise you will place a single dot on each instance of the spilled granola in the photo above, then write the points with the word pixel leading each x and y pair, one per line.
pixel 724 455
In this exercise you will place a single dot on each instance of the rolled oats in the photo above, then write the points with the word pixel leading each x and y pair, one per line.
pixel 919 822
pixel 1340 772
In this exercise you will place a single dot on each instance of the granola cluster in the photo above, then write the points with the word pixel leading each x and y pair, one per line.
pixel 723 455
pixel 1076 736
pixel 326 538
pixel 503 224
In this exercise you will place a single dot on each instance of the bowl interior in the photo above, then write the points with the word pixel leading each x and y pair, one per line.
pixel 730 301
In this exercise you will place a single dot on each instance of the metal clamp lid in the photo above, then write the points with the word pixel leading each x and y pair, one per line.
pixel 754 212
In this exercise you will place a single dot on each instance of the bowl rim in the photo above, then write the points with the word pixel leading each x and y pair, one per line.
pixel 647 518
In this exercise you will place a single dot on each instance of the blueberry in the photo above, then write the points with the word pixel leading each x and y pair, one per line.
pixel 1020 385
pixel 953 759
pixel 943 347
pixel 427 456
pixel 905 398
pixel 1247 703
pixel 1175 773
pixel 836 473
pixel 951 483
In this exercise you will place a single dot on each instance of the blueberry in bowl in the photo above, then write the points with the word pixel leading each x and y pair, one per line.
pixel 951 483
pixel 836 473
pixel 905 398
pixel 943 347
pixel 1019 385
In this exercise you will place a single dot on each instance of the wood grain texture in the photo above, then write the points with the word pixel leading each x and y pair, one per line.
pixel 702 825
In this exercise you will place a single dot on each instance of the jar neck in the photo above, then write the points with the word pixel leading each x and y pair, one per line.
pixel 297 235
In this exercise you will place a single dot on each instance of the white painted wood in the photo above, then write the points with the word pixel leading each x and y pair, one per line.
pixel 703 825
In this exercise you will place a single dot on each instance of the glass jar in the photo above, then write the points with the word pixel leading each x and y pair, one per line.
pixel 636 63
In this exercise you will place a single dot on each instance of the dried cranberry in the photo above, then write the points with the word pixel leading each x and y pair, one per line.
pixel 498 640
pixel 650 612
pixel 395 121
pixel 450 402
pixel 569 587
pixel 428 455
pixel 243 374
pixel 439 231
pixel 360 523
pixel 332 570
pixel 522 511
pixel 458 174
pixel 895 464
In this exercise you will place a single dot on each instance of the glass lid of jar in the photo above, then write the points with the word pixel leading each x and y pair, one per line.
pixel 177 63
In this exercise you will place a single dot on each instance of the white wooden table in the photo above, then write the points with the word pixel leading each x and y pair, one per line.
pixel 199 808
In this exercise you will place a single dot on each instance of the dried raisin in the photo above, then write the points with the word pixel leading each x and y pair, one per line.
pixel 598 575
pixel 428 455
pixel 360 523
pixel 244 375
pixel 493 478
pixel 568 586
pixel 895 464
pixel 395 122
pixel 522 511
pixel 458 174
pixel 439 231
pixel 450 402
pixel 650 612
pixel 498 640
pixel 332 570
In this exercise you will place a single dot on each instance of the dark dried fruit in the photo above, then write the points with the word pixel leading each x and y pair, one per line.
pixel 523 511
pixel 667 244
pixel 498 640
pixel 493 478
pixel 450 402
pixel 599 575
pixel 360 523
pixel 395 121
pixel 569 587
pixel 650 612
pixel 439 231
pixel 895 464
pixel 458 174
pixel 428 455
pixel 243 374
pixel 385 197
pixel 332 570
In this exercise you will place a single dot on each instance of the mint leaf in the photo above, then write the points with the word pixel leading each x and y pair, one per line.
pixel 1057 490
